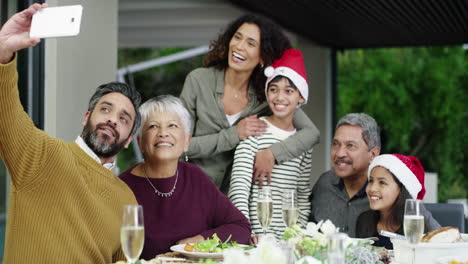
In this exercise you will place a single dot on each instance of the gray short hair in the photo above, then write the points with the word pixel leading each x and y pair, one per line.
pixel 166 103
pixel 370 129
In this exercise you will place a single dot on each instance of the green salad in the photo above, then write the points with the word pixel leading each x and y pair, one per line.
pixel 215 244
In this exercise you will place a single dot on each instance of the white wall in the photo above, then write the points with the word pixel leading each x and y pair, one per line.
pixel 430 182
pixel 75 66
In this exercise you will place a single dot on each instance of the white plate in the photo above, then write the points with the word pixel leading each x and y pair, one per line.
pixel 464 236
pixel 199 255
pixel 430 252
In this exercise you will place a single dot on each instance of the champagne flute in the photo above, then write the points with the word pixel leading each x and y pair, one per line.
pixel 413 223
pixel 337 248
pixel 289 208
pixel 264 208
pixel 132 232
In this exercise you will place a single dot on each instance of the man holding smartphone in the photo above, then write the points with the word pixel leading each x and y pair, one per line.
pixel 65 204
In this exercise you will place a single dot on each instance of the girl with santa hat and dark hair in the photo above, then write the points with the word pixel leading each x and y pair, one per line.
pixel 286 89
pixel 392 179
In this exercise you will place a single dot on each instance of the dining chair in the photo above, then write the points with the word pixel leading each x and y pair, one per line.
pixel 448 214
pixel 466 224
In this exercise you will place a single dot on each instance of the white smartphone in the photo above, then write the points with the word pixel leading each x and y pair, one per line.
pixel 54 22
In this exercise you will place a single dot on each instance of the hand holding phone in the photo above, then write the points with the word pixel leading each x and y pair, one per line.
pixel 53 22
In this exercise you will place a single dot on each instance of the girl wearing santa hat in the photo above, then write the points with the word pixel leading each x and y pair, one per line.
pixel 392 178
pixel 225 97
pixel 286 90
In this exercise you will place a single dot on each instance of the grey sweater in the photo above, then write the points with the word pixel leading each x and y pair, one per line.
pixel 214 140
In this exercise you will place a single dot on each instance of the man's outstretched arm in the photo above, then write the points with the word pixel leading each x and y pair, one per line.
pixel 14 34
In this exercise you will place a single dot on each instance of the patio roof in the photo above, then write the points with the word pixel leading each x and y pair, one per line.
pixel 173 23
pixel 348 24
pixel 341 24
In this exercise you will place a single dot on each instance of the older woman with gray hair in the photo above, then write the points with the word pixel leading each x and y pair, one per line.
pixel 180 202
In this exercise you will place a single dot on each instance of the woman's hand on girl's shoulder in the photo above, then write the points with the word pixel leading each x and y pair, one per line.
pixel 264 163
pixel 250 126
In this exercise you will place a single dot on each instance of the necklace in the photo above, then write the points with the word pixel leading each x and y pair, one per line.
pixel 162 194
pixel 237 93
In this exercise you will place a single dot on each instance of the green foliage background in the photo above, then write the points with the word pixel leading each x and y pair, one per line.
pixel 419 98
pixel 166 79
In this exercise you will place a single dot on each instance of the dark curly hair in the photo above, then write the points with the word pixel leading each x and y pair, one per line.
pixel 273 42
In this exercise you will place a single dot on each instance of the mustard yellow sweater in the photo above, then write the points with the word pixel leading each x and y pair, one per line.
pixel 64 206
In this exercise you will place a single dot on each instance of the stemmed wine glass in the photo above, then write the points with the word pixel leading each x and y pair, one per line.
pixel 264 208
pixel 337 248
pixel 289 208
pixel 132 232
pixel 413 222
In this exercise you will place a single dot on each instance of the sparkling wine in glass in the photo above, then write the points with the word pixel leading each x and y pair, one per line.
pixel 264 208
pixel 337 248
pixel 289 208
pixel 413 224
pixel 132 232
pixel 413 221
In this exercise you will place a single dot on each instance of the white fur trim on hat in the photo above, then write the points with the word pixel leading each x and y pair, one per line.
pixel 400 170
pixel 269 71
pixel 296 78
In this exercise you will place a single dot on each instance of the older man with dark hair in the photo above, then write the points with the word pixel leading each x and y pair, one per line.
pixel 65 203
pixel 340 194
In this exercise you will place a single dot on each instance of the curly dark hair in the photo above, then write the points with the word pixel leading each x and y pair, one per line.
pixel 273 42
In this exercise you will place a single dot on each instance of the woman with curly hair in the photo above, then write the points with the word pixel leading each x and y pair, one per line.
pixel 226 97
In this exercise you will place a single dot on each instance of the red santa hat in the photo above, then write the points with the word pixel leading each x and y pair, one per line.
pixel 290 65
pixel 408 170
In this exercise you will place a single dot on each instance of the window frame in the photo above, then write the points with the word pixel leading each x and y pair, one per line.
pixel 30 63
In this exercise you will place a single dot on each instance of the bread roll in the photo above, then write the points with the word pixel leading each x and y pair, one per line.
pixel 446 234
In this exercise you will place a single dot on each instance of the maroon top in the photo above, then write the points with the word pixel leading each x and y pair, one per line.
pixel 196 207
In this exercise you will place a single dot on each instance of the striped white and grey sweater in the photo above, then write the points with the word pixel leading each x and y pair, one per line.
pixel 291 175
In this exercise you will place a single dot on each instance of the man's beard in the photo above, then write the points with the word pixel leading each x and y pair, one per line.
pixel 99 144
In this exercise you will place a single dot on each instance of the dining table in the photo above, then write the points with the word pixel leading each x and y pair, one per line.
pixel 425 253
